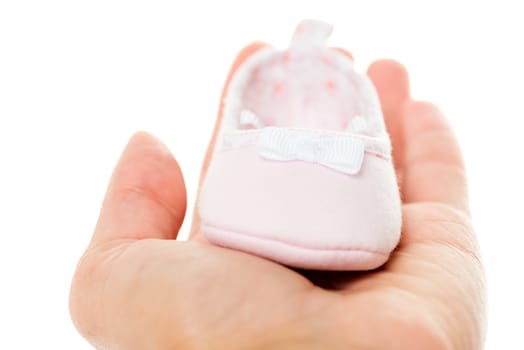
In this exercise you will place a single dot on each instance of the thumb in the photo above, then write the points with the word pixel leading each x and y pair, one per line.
pixel 146 197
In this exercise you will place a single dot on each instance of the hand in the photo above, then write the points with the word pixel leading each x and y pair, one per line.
pixel 136 287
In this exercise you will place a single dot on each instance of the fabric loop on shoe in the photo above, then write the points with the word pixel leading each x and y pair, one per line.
pixel 311 34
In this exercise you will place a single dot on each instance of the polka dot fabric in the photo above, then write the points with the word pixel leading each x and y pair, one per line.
pixel 306 86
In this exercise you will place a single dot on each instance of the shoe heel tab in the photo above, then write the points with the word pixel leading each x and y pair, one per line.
pixel 311 33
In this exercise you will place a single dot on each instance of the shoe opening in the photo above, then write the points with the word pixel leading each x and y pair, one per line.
pixel 305 86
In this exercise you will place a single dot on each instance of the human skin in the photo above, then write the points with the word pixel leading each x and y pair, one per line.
pixel 136 287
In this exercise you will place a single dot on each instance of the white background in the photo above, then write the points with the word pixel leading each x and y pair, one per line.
pixel 77 78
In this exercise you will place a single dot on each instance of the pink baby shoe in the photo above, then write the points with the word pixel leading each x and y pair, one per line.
pixel 301 171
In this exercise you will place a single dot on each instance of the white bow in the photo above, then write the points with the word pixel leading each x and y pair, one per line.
pixel 341 153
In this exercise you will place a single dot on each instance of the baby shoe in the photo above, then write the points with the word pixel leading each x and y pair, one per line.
pixel 301 172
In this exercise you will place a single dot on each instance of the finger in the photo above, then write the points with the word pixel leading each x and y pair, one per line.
pixel 241 57
pixel 433 165
pixel 392 83
pixel 146 197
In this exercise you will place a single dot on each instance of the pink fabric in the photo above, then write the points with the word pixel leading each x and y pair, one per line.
pixel 294 255
pixel 310 90
pixel 300 213
pixel 317 189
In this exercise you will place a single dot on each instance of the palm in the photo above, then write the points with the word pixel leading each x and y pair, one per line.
pixel 162 293
pixel 252 286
